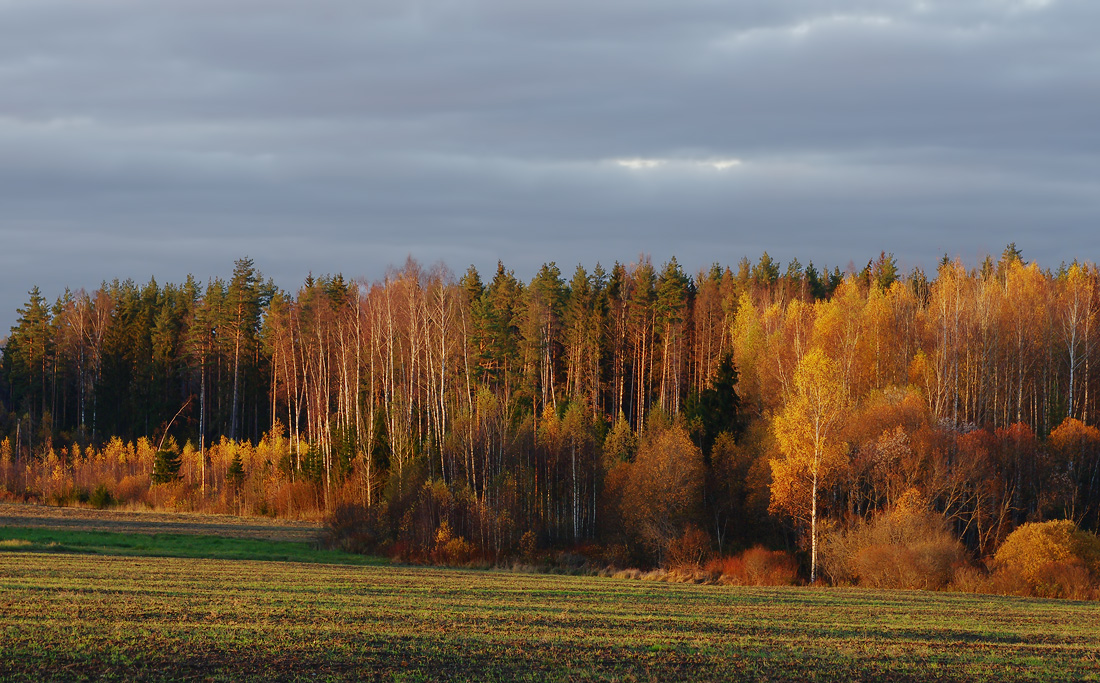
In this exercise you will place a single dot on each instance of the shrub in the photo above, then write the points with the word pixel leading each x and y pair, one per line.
pixel 69 496
pixel 134 488
pixel 690 550
pixel 1032 546
pixel 726 567
pixel 1008 581
pixel 529 545
pixel 456 552
pixel 617 555
pixel 1069 580
pixel 895 566
pixel 1048 559
pixel 757 566
pixel 569 561
pixel 355 529
pixel 765 567
pixel 101 497
pixel 174 495
pixel 297 499
pixel 450 549
pixel 969 579
pixel 908 547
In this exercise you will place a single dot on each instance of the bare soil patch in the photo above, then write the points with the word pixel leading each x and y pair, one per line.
pixel 142 522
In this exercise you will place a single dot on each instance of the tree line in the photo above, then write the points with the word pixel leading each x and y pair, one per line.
pixel 630 410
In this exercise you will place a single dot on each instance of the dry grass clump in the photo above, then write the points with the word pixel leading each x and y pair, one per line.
pixel 755 567
pixel 675 575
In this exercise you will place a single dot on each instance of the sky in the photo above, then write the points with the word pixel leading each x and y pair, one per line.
pixel 159 139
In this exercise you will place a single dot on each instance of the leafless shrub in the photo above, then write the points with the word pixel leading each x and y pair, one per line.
pixel 908 547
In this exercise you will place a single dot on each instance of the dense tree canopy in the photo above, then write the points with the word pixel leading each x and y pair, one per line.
pixel 552 410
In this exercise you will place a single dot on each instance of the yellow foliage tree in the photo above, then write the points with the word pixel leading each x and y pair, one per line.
pixel 5 462
pixel 806 433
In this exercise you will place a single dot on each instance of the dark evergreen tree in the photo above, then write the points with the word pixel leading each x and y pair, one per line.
pixel 166 467
pixel 716 409
pixel 884 271
pixel 27 356
pixel 816 287
pixel 234 474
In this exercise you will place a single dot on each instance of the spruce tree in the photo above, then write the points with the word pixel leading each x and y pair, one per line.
pixel 166 467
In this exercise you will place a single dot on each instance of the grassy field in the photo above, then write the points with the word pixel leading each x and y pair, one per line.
pixel 147 522
pixel 67 616
pixel 35 539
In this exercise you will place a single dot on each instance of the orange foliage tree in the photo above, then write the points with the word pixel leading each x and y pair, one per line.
pixel 664 491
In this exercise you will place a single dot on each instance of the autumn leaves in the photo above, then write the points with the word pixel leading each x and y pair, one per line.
pixel 806 431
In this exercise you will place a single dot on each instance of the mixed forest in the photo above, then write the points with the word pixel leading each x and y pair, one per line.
pixel 640 414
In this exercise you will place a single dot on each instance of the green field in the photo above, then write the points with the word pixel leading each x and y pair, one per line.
pixel 29 539
pixel 66 616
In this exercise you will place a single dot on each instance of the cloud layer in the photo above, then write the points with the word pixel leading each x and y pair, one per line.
pixel 158 139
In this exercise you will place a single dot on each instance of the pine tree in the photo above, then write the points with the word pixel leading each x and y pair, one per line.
pixel 27 355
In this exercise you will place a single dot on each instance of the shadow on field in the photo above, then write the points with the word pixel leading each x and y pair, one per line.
pixel 442 659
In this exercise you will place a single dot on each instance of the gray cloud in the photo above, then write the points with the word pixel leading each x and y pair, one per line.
pixel 160 139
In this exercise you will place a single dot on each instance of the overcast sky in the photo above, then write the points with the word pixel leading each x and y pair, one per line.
pixel 145 138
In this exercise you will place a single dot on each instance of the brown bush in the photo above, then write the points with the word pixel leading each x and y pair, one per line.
pixel 906 548
pixel 529 545
pixel 297 499
pixel 725 566
pixel 765 567
pixel 1009 581
pixel 970 579
pixel 355 529
pixel 617 555
pixel 175 495
pixel 889 566
pixel 757 566
pixel 133 488
pixel 689 551
pixel 1070 580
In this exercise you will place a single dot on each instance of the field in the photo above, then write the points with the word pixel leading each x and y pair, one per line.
pixel 72 615
pixel 226 526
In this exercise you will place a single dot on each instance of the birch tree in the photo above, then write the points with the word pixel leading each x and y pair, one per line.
pixel 806 432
